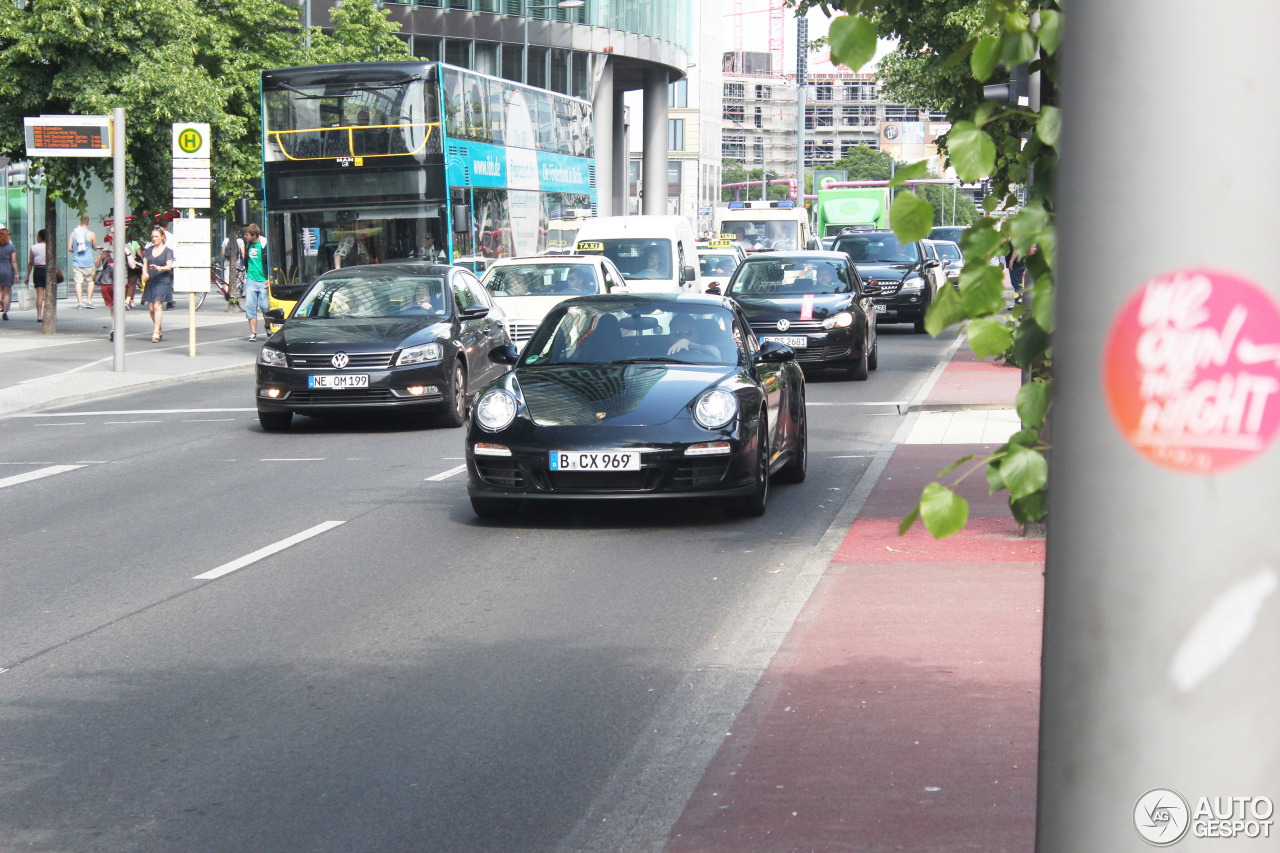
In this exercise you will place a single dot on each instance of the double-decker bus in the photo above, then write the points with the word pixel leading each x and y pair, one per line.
pixel 383 161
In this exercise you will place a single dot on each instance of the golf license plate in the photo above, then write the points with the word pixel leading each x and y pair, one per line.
pixel 793 341
pixel 339 381
pixel 595 460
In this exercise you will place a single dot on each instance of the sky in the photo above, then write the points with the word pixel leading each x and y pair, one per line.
pixel 755 34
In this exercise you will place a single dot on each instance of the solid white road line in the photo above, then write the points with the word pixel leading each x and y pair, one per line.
pixel 292 459
pixel 261 553
pixel 37 474
pixel 444 475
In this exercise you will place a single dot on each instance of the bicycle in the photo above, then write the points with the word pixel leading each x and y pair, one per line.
pixel 216 282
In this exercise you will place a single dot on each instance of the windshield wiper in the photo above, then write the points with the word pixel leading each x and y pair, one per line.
pixel 656 359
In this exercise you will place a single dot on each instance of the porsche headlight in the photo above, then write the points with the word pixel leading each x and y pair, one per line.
pixel 716 409
pixel 272 357
pixel 913 282
pixel 420 354
pixel 843 320
pixel 496 410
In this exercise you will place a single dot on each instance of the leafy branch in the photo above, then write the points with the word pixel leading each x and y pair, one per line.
pixel 947 50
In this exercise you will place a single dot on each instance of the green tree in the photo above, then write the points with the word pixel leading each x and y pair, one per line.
pixel 947 50
pixel 164 62
pixel 734 172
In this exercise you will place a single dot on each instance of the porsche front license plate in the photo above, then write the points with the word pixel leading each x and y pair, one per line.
pixel 339 381
pixel 595 460
pixel 793 341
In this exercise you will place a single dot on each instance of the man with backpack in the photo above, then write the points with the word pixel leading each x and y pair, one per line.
pixel 83 246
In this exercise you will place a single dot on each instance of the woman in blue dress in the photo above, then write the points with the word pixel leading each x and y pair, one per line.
pixel 157 279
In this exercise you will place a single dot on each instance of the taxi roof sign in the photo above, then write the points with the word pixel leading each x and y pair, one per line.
pixel 589 247
pixel 720 243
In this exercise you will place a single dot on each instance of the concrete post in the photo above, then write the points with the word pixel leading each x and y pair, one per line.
pixel 654 172
pixel 1161 622
pixel 602 121
pixel 621 158
pixel 120 237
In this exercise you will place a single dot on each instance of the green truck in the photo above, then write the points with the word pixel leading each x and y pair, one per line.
pixel 851 207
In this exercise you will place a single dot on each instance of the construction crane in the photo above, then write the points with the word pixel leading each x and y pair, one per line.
pixel 777 20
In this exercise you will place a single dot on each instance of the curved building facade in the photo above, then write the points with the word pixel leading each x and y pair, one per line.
pixel 597 50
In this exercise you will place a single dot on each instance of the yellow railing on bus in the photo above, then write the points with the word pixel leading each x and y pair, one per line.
pixel 327 133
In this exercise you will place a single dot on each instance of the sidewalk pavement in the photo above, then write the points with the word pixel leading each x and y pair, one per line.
pixel 901 709
pixel 38 370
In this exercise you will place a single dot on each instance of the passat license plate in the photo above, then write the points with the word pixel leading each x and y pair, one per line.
pixel 339 381
pixel 595 460
pixel 793 341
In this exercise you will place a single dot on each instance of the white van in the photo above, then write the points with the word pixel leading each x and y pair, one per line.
pixel 655 254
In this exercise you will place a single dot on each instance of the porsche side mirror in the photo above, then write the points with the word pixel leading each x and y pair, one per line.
pixel 507 354
pixel 772 352
pixel 275 315
pixel 475 312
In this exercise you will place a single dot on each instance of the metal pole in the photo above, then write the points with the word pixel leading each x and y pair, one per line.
pixel 306 38
pixel 802 76
pixel 118 237
pixel 524 53
pixel 1161 620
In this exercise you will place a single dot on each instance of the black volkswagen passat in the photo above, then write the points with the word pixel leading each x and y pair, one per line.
pixel 639 396
pixel 814 303
pixel 411 336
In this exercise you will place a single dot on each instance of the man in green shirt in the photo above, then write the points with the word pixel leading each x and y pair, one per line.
pixel 255 277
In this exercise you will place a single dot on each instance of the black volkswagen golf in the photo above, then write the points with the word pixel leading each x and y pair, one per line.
pixel 635 397
pixel 411 336
pixel 814 303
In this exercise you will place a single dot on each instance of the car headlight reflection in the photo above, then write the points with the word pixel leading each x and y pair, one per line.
pixel 496 410
pixel 716 409
pixel 272 357
pixel 913 282
pixel 420 354
pixel 843 320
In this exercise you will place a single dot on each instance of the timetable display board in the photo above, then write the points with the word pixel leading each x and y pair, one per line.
pixel 68 136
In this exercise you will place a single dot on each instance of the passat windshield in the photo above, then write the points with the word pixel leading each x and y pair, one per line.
pixel 338 297
pixel 784 277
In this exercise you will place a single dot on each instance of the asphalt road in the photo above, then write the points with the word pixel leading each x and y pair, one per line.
pixel 400 677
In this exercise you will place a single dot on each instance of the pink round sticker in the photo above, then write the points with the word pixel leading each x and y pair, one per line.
pixel 1192 370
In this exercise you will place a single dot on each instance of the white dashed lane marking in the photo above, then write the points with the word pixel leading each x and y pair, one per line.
pixel 37 474
pixel 262 553
pixel 444 475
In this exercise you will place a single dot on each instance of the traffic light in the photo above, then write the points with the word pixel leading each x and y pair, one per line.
pixel 1016 92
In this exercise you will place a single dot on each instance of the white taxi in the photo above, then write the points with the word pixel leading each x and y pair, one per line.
pixel 526 289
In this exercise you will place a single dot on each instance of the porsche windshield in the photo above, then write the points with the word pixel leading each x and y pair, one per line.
pixel 786 277
pixel 364 296
pixel 661 333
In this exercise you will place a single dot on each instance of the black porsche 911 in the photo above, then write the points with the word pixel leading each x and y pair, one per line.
pixel 405 336
pixel 815 303
pixel 639 396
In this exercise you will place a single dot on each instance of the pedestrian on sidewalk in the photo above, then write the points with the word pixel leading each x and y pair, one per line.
pixel 233 260
pixel 8 271
pixel 133 275
pixel 255 278
pixel 83 245
pixel 36 259
pixel 157 279
pixel 105 278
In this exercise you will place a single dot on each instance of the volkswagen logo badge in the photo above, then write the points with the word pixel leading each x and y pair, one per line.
pixel 340 360
pixel 783 325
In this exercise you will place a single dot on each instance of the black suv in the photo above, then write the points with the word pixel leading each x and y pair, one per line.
pixel 905 276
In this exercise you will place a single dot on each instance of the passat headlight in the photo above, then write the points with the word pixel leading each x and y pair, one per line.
pixel 420 355
pixel 913 282
pixel 272 357
pixel 843 320
pixel 496 410
pixel 716 409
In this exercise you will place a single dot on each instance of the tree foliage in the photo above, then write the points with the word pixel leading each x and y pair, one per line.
pixel 734 172
pixel 164 61
pixel 947 50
